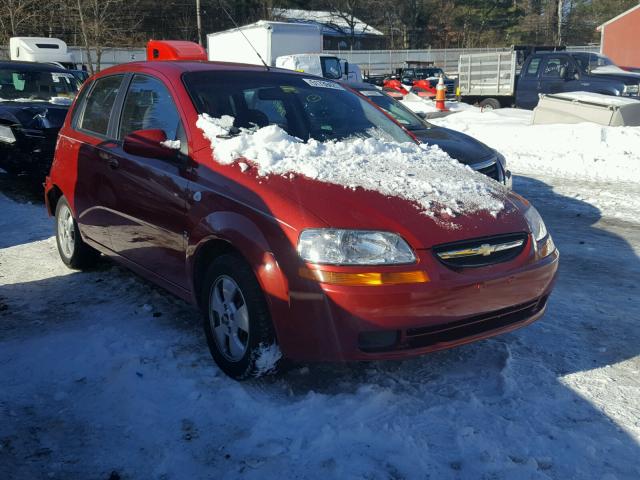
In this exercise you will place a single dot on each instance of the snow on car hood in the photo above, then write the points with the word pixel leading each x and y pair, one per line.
pixel 424 175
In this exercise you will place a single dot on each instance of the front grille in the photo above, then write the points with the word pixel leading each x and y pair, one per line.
pixel 459 254
pixel 469 327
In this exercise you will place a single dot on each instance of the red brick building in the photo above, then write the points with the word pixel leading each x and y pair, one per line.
pixel 620 38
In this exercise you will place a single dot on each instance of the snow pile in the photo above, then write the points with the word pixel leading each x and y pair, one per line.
pixel 424 175
pixel 583 151
pixel 267 359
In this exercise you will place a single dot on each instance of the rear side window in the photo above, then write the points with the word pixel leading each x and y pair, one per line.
pixel 533 68
pixel 99 105
pixel 149 106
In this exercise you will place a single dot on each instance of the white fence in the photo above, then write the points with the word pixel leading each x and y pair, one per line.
pixel 371 61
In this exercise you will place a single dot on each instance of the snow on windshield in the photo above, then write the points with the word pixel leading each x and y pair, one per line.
pixel 425 175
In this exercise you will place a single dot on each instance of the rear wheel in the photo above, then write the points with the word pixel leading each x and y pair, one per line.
pixel 237 323
pixel 490 104
pixel 73 251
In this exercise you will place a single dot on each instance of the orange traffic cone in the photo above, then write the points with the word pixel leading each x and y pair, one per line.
pixel 441 90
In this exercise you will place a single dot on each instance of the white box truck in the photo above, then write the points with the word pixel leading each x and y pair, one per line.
pixel 41 49
pixel 295 46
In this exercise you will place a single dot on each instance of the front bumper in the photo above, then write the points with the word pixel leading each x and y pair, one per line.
pixel 32 151
pixel 334 323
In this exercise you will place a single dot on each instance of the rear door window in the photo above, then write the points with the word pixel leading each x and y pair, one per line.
pixel 99 105
pixel 534 67
pixel 149 106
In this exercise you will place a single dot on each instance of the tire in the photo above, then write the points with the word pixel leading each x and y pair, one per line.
pixel 490 104
pixel 73 251
pixel 236 320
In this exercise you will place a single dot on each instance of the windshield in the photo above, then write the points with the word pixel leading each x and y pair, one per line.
pixel 399 112
pixel 22 85
pixel 589 62
pixel 304 107
pixel 429 72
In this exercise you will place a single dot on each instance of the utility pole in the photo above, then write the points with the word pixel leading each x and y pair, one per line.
pixel 199 22
pixel 560 12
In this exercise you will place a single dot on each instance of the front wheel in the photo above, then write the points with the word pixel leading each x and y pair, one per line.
pixel 237 323
pixel 73 251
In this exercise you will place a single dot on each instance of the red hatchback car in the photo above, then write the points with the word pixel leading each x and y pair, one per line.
pixel 316 270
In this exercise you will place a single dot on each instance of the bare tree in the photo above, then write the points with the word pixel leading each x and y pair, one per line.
pixel 102 22
pixel 15 14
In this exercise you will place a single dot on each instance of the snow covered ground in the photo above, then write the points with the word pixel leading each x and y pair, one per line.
pixel 103 375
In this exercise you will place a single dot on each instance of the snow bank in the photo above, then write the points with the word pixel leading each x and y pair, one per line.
pixel 424 175
pixel 584 151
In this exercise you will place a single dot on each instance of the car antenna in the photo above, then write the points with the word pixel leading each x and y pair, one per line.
pixel 245 37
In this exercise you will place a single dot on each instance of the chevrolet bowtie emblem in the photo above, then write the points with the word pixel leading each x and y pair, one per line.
pixel 484 250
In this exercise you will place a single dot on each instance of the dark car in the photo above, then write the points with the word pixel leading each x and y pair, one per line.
pixel 557 72
pixel 462 147
pixel 34 100
pixel 431 74
pixel 319 271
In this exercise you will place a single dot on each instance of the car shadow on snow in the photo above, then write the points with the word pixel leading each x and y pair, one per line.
pixel 510 406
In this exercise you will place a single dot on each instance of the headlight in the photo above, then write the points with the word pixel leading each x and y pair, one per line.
pixel 6 134
pixel 631 90
pixel 353 247
pixel 537 226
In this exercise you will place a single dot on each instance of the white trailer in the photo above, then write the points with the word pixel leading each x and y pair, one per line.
pixel 41 49
pixel 488 78
pixel 270 39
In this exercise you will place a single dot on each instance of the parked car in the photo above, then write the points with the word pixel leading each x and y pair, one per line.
pixel 557 72
pixel 458 145
pixel 34 100
pixel 430 73
pixel 329 273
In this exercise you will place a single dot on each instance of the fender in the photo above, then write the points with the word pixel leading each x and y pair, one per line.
pixel 241 234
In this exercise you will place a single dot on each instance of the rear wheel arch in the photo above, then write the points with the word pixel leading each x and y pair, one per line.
pixel 53 196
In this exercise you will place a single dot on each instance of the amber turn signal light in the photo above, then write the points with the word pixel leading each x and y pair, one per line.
pixel 365 278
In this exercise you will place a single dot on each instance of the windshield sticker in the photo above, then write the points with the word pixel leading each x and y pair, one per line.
pixel 322 84
pixel 371 93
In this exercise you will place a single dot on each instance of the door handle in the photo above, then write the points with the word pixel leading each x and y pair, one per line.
pixel 113 163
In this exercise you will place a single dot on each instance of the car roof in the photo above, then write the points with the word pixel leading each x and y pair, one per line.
pixel 184 66
pixel 32 66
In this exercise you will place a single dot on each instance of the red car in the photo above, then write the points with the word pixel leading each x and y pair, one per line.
pixel 323 272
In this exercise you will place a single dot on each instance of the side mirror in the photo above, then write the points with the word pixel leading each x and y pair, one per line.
pixel 422 115
pixel 346 69
pixel 148 143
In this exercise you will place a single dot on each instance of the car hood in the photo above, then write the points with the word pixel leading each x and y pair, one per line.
pixel 458 145
pixel 337 206
pixel 34 115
